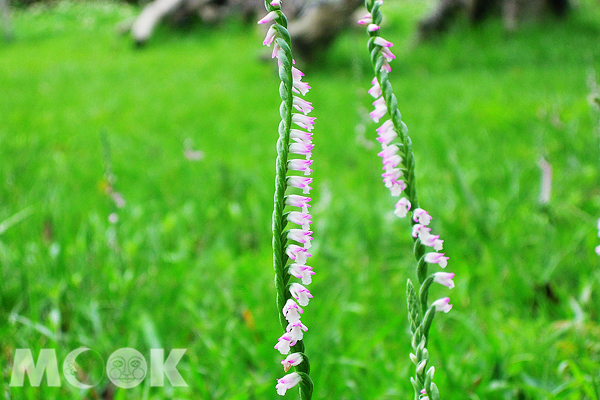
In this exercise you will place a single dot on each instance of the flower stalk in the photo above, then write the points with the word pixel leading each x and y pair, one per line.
pixel 294 152
pixel 399 177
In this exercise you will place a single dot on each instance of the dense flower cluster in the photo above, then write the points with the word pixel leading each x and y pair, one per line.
pixel 300 145
pixel 393 171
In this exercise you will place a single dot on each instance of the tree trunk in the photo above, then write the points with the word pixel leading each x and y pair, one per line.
pixel 513 12
pixel 152 14
pixel 314 24
pixel 319 24
pixel 210 11
pixel 6 19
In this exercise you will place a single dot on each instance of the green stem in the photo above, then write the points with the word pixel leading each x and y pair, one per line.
pixel 420 315
pixel 278 222
pixel 281 168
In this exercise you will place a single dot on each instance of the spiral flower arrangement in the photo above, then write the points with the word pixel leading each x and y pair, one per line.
pixel 399 178
pixel 294 151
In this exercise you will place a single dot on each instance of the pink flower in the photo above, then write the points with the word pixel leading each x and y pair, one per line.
pixel 421 231
pixel 270 36
pixel 422 217
pixel 284 343
pixel 275 3
pixel 300 182
pixel 379 41
pixel 444 278
pixel 380 102
pixel 303 272
pixel 378 113
pixel 298 135
pixel 273 15
pixel 375 90
pixel 302 105
pixel 301 148
pixel 300 236
pixel 296 331
pixel 303 121
pixel 297 85
pixel 300 293
pixel 287 382
pixel 372 28
pixel 386 66
pixel 386 133
pixel 437 258
pixel 367 19
pixel 297 253
pixel 402 207
pixel 291 361
pixel 433 241
pixel 397 188
pixel 391 162
pixel 380 109
pixel 389 56
pixel 442 304
pixel 388 151
pixel 297 74
pixel 300 165
pixel 291 312
pixel 276 51
pixel 300 218
pixel 391 176
pixel 295 200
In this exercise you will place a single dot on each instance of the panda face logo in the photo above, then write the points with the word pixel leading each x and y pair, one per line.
pixel 126 368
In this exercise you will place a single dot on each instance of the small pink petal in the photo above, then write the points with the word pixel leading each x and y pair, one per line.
pixel 273 15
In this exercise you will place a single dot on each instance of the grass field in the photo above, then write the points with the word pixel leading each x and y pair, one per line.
pixel 188 264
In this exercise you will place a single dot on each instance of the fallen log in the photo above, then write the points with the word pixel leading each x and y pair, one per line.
pixel 313 24
pixel 512 12
pixel 152 14
pixel 6 20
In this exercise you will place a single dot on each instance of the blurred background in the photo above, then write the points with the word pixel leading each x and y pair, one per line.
pixel 138 178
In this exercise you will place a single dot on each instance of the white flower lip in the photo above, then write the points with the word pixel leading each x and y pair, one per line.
pixel 300 293
pixel 442 304
pixel 379 41
pixel 287 382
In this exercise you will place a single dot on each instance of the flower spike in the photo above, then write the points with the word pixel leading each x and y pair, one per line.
pixel 398 162
pixel 291 205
